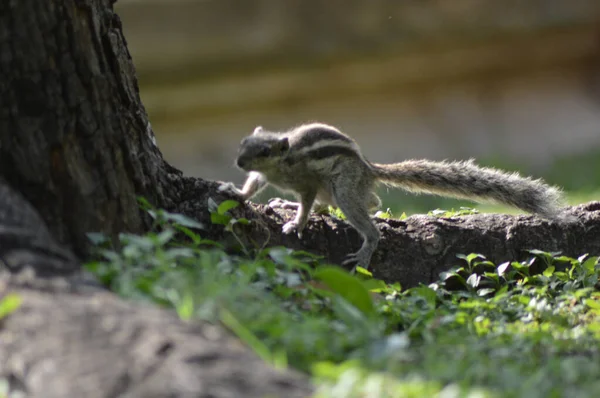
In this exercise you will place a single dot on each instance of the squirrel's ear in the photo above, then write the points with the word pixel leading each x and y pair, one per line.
pixel 258 130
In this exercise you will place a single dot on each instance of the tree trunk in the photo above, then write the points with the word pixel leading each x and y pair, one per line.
pixel 76 142
pixel 74 136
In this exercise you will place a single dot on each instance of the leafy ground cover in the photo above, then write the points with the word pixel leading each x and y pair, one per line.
pixel 518 329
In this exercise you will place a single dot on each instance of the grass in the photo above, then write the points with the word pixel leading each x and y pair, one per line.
pixel 519 329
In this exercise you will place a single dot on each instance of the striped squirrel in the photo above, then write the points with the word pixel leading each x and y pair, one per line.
pixel 319 163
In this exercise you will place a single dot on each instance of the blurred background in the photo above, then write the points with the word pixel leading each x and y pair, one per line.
pixel 512 83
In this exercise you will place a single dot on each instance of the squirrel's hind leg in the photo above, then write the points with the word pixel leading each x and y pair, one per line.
pixel 355 204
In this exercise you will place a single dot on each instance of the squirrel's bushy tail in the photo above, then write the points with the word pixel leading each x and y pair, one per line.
pixel 468 181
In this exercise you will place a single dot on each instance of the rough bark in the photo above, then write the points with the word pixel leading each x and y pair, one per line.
pixel 74 136
pixel 91 344
pixel 418 249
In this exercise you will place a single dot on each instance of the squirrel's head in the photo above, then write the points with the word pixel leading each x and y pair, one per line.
pixel 262 150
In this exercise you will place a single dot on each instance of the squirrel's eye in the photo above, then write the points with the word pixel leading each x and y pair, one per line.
pixel 264 152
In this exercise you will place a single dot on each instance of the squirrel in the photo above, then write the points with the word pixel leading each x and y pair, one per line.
pixel 319 163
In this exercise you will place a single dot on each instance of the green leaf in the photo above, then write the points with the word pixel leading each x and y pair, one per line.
pixel 473 256
pixel 485 263
pixel 212 205
pixel 347 286
pixel 485 291
pixel 185 307
pixel 196 239
pixel 473 280
pixel 246 335
pixel 374 285
pixel 9 304
pixel 165 236
pixel 185 221
pixel 286 257
pixel 220 219
pixel 590 264
pixel 546 256
pixel 227 205
pixel 522 268
pixel 351 315
pixel 243 221
pixel 594 304
pixel 549 271
pixel 502 268
pixel 427 293
pixel 363 271
pixel 336 212
pixel 539 253
pixel 330 370
pixel 143 203
pixel 502 291
pixel 566 259
pixel 384 214
pixel 493 276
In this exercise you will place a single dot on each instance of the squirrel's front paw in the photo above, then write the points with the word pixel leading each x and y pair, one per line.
pixel 229 188
pixel 291 227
